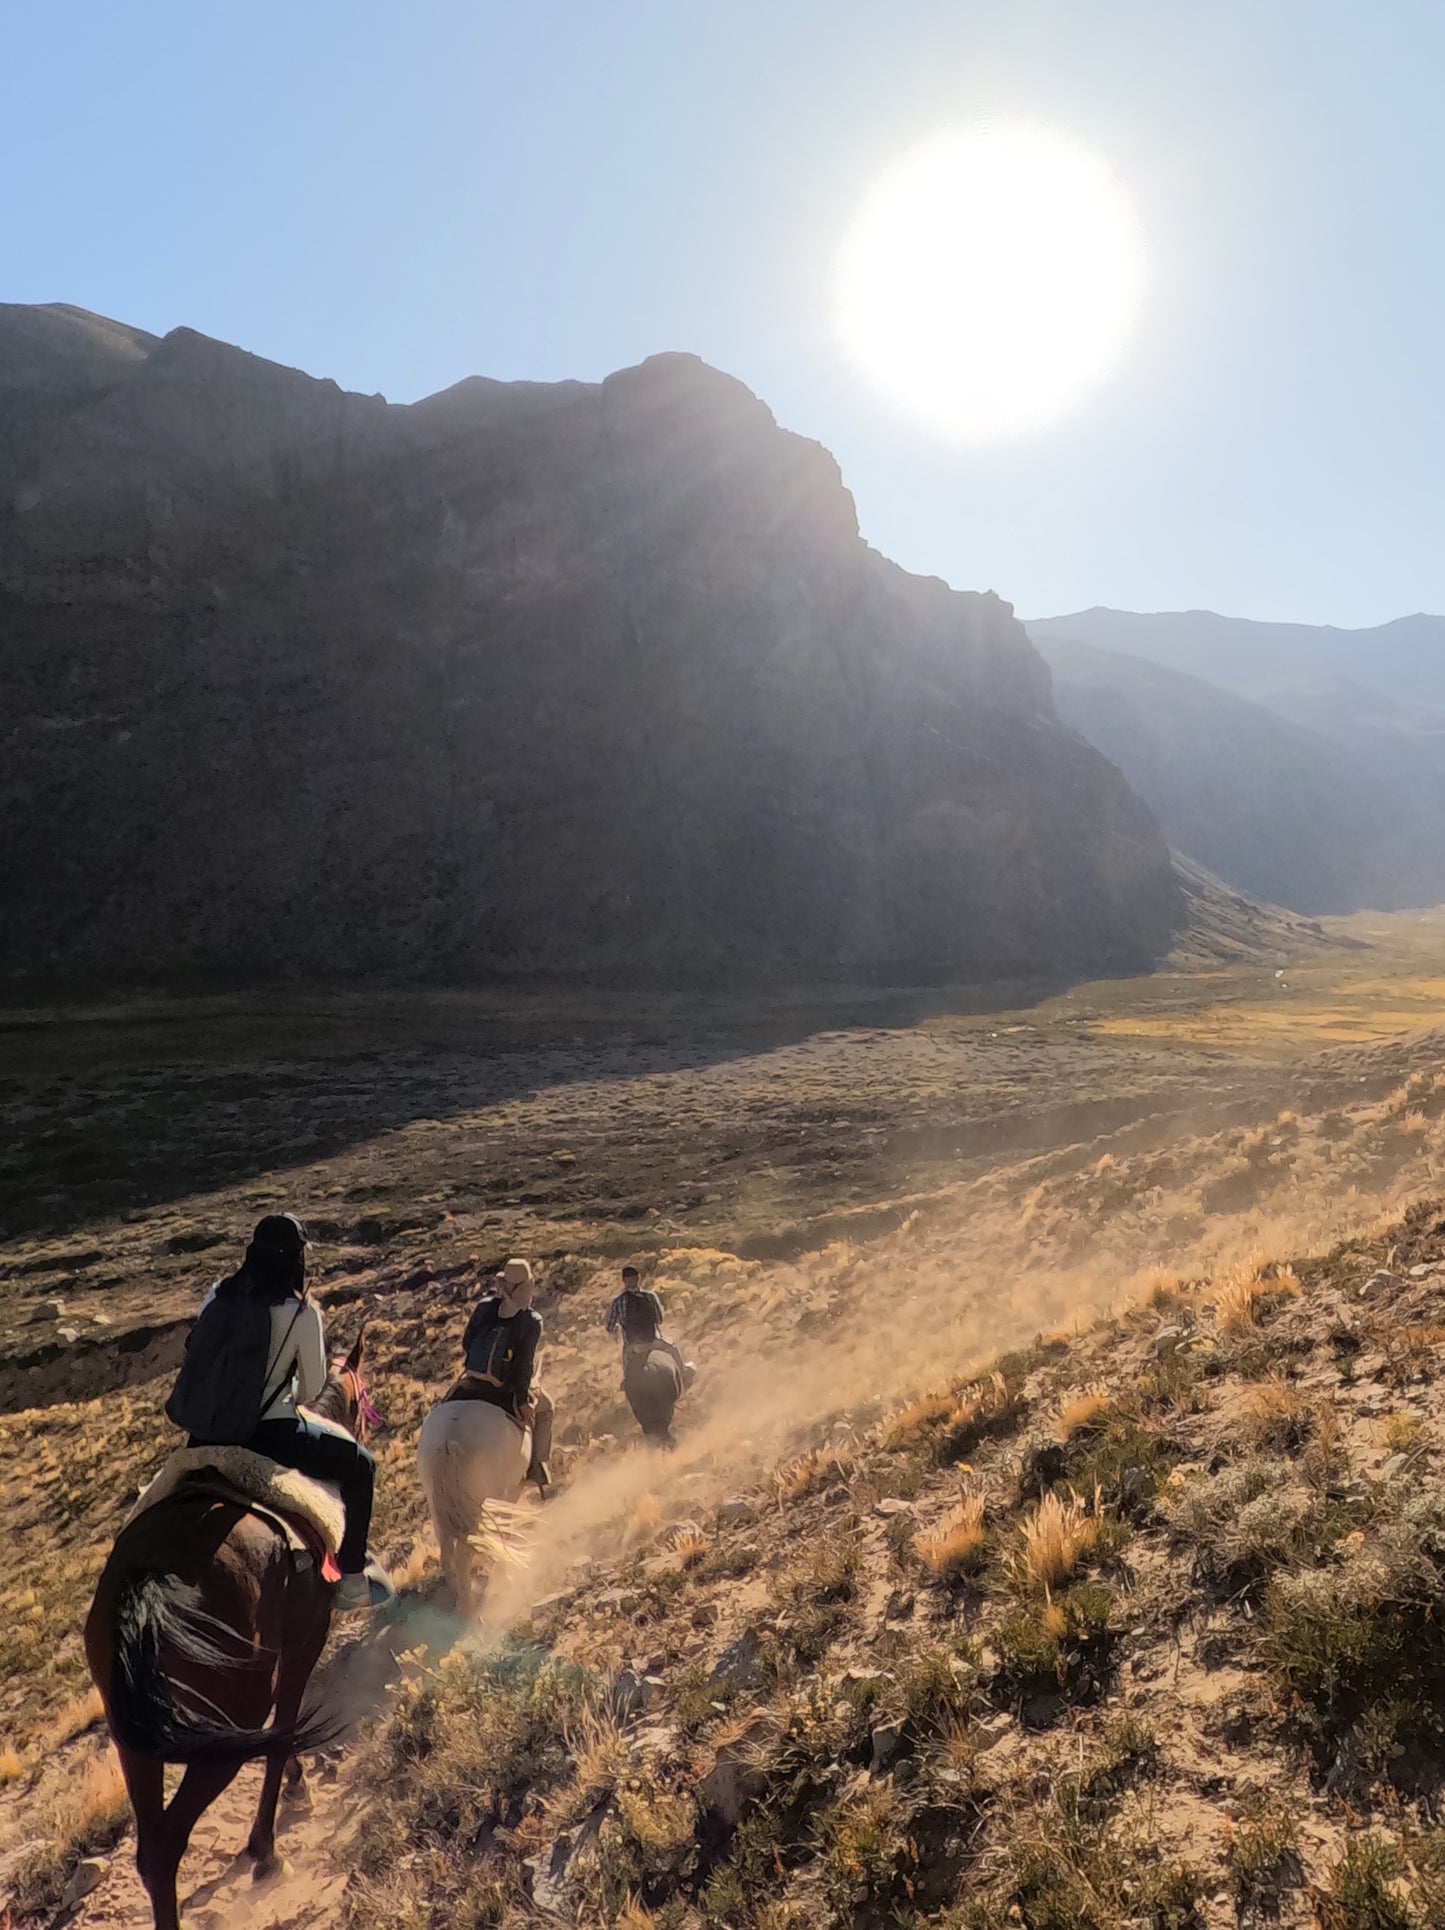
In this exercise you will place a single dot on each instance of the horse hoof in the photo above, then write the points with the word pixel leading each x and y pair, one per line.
pixel 269 1868
pixel 296 1796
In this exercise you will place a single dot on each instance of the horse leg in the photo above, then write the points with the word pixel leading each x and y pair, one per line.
pixel 295 1790
pixel 200 1786
pixel 145 1782
pixel 290 1687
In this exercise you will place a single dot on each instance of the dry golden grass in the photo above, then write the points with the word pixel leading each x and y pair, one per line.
pixel 1056 1537
pixel 1083 1413
pixel 690 1547
pixel 913 1423
pixel 89 1817
pixel 810 1473
pixel 82 1712
pixel 1403 1432
pixel 958 1543
pixel 1274 1416
pixel 1240 1295
pixel 12 1767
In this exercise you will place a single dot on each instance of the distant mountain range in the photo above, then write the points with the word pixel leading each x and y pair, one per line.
pixel 1302 764
pixel 522 681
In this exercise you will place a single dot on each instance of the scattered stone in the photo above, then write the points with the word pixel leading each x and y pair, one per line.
pixel 889 1744
pixel 735 1507
pixel 905 1770
pixel 47 1311
pixel 728 1787
pixel 1419 1272
pixel 1168 1340
pixel 87 1875
pixel 613 1598
pixel 1380 1281
pixel 67 1336
pixel 899 1605
pixel 890 1505
pixel 740 1664
pixel 633 1694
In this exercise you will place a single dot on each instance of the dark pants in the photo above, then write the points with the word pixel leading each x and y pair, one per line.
pixel 327 1457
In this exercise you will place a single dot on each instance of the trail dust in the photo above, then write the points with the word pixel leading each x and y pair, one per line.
pixel 981 1255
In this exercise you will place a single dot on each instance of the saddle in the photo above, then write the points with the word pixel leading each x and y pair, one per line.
pixel 477 1387
pixel 307 1514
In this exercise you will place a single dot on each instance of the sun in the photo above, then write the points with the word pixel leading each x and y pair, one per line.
pixel 990 280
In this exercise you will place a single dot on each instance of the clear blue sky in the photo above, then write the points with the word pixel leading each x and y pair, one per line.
pixel 400 195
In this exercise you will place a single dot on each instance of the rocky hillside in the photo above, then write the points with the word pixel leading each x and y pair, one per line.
pixel 520 680
pixel 1277 808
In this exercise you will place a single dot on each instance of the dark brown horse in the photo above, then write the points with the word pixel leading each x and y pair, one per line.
pixel 201 1639
pixel 653 1383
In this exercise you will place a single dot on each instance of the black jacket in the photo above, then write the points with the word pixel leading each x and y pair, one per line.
pixel 503 1351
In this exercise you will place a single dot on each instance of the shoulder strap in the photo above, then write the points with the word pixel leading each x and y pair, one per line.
pixel 286 1378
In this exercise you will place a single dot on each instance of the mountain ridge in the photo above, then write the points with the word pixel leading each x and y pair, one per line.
pixel 519 680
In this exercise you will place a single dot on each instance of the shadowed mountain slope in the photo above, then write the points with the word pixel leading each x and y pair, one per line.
pixel 1306 788
pixel 522 680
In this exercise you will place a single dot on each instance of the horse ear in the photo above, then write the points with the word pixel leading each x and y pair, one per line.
pixel 353 1359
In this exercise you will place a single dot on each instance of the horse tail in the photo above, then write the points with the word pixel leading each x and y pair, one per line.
pixel 146 1714
pixel 446 1467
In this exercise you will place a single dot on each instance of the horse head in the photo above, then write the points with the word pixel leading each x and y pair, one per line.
pixel 351 1403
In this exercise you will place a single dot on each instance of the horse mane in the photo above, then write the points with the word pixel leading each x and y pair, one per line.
pixel 332 1402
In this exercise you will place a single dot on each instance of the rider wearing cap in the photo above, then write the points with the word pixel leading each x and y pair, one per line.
pixel 274 1273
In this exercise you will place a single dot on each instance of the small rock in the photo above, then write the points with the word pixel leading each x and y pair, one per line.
pixel 889 1743
pixel 740 1664
pixel 48 1310
pixel 67 1336
pixel 899 1605
pixel 613 1598
pixel 1397 1465
pixel 728 1787
pixel 1380 1281
pixel 1167 1340
pixel 1419 1272
pixel 905 1770
pixel 87 1875
pixel 890 1505
pixel 736 1507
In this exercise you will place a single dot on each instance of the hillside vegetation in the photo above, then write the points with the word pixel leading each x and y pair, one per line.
pixel 921 1596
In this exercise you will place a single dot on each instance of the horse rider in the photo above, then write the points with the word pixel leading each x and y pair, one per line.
pixel 636 1313
pixel 500 1345
pixel 273 1275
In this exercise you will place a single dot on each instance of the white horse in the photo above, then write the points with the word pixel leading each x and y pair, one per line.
pixel 469 1454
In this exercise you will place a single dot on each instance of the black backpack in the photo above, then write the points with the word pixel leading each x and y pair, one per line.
pixel 218 1395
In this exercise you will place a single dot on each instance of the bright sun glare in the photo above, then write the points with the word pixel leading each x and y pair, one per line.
pixel 990 279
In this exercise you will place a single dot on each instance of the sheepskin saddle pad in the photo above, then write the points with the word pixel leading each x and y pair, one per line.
pixel 297 1502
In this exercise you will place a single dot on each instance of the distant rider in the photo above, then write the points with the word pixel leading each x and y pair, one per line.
pixel 273 1273
pixel 500 1345
pixel 636 1314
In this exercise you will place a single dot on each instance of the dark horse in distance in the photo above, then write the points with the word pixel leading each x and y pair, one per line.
pixel 653 1383
pixel 201 1639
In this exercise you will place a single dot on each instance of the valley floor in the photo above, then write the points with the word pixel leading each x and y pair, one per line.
pixel 845 1203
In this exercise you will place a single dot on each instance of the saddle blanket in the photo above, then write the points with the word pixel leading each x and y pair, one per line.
pixel 295 1501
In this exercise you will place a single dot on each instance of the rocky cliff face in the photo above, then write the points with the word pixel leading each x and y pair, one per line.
pixel 520 680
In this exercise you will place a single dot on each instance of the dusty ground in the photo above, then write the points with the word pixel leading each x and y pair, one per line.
pixel 980 1175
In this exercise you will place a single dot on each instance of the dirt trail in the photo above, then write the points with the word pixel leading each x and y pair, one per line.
pixel 217 1891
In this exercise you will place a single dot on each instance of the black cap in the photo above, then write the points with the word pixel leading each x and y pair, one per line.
pixel 279 1233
